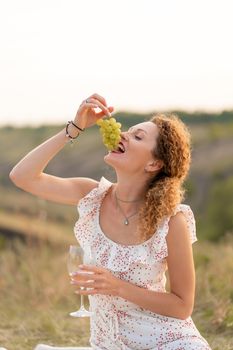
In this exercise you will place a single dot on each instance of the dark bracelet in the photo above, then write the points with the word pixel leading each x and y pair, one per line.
pixel 67 132
pixel 77 126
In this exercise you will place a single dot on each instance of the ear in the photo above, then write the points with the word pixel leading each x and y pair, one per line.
pixel 154 165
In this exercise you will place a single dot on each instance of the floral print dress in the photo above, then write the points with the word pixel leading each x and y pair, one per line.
pixel 118 324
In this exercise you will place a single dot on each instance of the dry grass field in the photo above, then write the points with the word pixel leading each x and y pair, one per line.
pixel 35 295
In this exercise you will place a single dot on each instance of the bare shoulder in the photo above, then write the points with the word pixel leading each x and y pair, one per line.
pixel 178 229
pixel 177 219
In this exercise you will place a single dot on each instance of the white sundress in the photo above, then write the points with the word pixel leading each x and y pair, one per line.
pixel 118 324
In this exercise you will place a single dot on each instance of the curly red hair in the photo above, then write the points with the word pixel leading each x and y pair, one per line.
pixel 165 190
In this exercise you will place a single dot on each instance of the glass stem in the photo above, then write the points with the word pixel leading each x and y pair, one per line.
pixel 82 306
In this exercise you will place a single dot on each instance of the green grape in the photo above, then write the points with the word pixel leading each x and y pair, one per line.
pixel 112 121
pixel 110 130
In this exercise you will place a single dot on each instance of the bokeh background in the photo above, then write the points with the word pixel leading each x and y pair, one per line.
pixel 144 57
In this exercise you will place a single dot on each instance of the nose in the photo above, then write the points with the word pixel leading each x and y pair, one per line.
pixel 124 135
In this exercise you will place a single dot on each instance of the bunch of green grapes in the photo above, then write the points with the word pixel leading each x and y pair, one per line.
pixel 111 131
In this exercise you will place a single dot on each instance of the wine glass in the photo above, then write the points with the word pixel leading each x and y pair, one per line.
pixel 76 257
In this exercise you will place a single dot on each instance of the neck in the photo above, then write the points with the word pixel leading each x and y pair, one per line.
pixel 130 193
pixel 127 200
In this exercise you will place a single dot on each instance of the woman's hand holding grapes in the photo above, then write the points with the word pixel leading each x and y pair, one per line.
pixel 87 115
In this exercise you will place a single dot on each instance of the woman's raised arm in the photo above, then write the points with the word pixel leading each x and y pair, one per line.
pixel 28 173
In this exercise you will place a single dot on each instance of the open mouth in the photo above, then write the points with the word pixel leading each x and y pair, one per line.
pixel 120 148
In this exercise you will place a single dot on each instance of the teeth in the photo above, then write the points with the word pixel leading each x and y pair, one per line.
pixel 121 147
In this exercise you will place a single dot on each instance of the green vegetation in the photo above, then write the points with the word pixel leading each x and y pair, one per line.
pixel 219 211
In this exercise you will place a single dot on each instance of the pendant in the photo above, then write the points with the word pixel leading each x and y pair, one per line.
pixel 126 222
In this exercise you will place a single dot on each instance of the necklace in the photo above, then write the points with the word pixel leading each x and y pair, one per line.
pixel 126 220
pixel 121 200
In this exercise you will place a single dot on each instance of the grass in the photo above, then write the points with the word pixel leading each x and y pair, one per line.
pixel 214 295
pixel 36 227
pixel 35 296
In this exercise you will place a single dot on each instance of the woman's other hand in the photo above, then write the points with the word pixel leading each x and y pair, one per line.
pixel 87 115
pixel 99 279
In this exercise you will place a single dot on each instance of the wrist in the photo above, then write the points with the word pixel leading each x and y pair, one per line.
pixel 122 288
pixel 74 130
pixel 79 123
pixel 70 133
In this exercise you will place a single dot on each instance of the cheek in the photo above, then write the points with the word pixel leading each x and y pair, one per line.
pixel 140 154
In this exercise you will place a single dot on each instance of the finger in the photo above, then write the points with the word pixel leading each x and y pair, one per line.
pixel 88 105
pixel 87 277
pixel 99 98
pixel 89 283
pixel 101 106
pixel 93 268
pixel 79 282
pixel 101 114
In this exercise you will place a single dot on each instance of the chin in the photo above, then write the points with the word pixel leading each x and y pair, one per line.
pixel 108 159
pixel 113 160
pixel 119 163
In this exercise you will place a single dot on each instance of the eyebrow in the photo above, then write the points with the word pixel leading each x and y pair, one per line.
pixel 137 129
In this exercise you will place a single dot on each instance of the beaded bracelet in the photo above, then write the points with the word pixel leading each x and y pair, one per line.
pixel 67 133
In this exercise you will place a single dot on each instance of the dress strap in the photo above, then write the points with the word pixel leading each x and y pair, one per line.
pixel 104 185
pixel 93 197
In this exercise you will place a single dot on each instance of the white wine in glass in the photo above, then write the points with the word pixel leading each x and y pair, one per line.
pixel 77 257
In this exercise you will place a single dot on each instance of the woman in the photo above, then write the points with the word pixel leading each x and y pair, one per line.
pixel 136 228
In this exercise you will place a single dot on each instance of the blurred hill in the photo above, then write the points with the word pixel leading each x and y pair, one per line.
pixel 209 185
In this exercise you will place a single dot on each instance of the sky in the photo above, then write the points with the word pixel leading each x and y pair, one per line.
pixel 141 55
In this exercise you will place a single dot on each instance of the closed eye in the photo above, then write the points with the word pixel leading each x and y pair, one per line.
pixel 135 132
